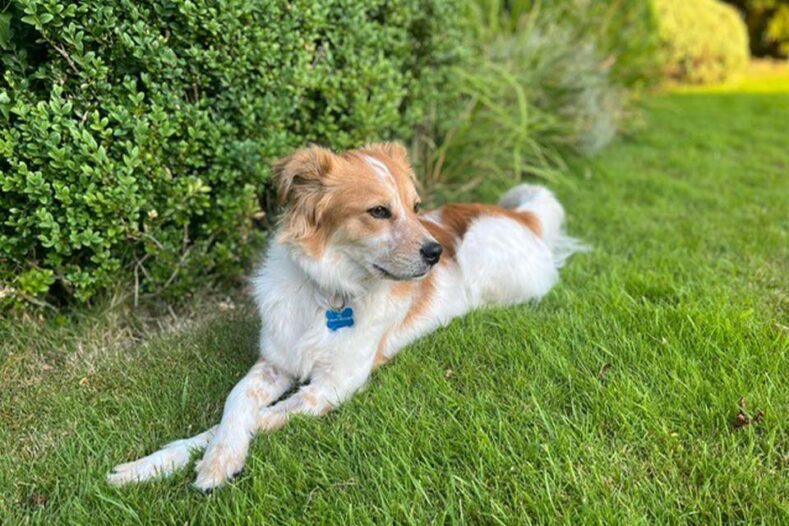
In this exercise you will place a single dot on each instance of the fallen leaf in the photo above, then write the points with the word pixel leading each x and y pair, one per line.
pixel 38 500
pixel 743 419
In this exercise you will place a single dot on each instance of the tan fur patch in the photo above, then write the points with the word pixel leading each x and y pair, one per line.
pixel 421 301
pixel 257 394
pixel 308 398
pixel 380 353
pixel 457 218
pixel 401 289
pixel 267 375
pixel 220 463
pixel 271 421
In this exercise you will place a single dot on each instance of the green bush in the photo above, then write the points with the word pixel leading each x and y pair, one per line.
pixel 768 25
pixel 702 40
pixel 135 137
pixel 624 33
pixel 546 79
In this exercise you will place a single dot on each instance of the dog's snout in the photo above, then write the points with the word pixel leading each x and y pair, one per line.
pixel 431 252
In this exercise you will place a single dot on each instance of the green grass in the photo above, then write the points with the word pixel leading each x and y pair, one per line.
pixel 610 402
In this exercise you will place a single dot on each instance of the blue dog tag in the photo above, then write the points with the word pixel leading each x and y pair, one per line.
pixel 337 319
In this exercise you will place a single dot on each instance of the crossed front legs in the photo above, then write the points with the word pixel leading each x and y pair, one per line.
pixel 247 410
pixel 227 442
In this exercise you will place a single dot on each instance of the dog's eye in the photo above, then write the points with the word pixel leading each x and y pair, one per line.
pixel 380 212
pixel 417 207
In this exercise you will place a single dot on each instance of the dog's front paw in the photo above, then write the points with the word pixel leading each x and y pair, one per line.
pixel 162 463
pixel 220 464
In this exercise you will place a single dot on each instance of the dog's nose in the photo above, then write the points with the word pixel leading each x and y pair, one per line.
pixel 431 252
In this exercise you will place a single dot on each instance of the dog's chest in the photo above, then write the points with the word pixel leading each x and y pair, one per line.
pixel 298 336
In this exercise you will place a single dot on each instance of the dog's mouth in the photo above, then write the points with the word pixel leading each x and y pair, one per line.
pixel 385 273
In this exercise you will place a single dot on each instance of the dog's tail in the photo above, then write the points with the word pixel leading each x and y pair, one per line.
pixel 166 461
pixel 542 203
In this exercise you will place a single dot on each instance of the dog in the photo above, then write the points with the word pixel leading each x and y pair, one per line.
pixel 355 273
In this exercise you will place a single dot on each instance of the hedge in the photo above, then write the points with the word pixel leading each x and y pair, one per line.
pixel 136 137
pixel 702 40
pixel 768 26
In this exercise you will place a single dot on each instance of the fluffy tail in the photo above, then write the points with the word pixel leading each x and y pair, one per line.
pixel 541 202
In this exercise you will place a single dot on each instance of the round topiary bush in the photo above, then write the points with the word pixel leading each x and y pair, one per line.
pixel 702 40
pixel 768 26
pixel 135 137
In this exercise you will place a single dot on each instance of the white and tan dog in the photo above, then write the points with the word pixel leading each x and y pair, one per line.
pixel 354 275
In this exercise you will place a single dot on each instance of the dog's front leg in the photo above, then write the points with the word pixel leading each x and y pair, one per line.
pixel 316 398
pixel 321 395
pixel 227 451
pixel 309 400
pixel 261 386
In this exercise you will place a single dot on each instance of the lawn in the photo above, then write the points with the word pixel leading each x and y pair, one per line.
pixel 614 400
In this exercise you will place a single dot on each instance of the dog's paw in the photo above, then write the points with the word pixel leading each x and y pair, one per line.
pixel 160 464
pixel 220 464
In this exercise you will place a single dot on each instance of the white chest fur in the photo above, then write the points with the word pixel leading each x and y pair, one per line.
pixel 294 333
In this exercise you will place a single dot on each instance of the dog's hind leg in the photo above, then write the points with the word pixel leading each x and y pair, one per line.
pixel 261 386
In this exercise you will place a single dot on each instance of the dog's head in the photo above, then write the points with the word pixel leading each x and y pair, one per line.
pixel 361 206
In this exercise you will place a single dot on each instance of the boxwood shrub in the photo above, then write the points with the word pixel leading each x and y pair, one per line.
pixel 702 41
pixel 135 136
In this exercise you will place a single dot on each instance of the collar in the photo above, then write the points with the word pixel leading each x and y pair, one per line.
pixel 335 301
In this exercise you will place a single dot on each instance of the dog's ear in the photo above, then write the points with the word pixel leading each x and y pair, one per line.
pixel 299 179
pixel 394 150
pixel 301 172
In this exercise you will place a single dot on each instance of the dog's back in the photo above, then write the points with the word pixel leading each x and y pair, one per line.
pixel 504 254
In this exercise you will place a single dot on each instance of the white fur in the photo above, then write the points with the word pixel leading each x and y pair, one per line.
pixel 385 175
pixel 541 201
pixel 380 168
pixel 499 261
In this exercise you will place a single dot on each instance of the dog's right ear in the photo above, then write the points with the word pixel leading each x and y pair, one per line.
pixel 300 173
pixel 299 179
